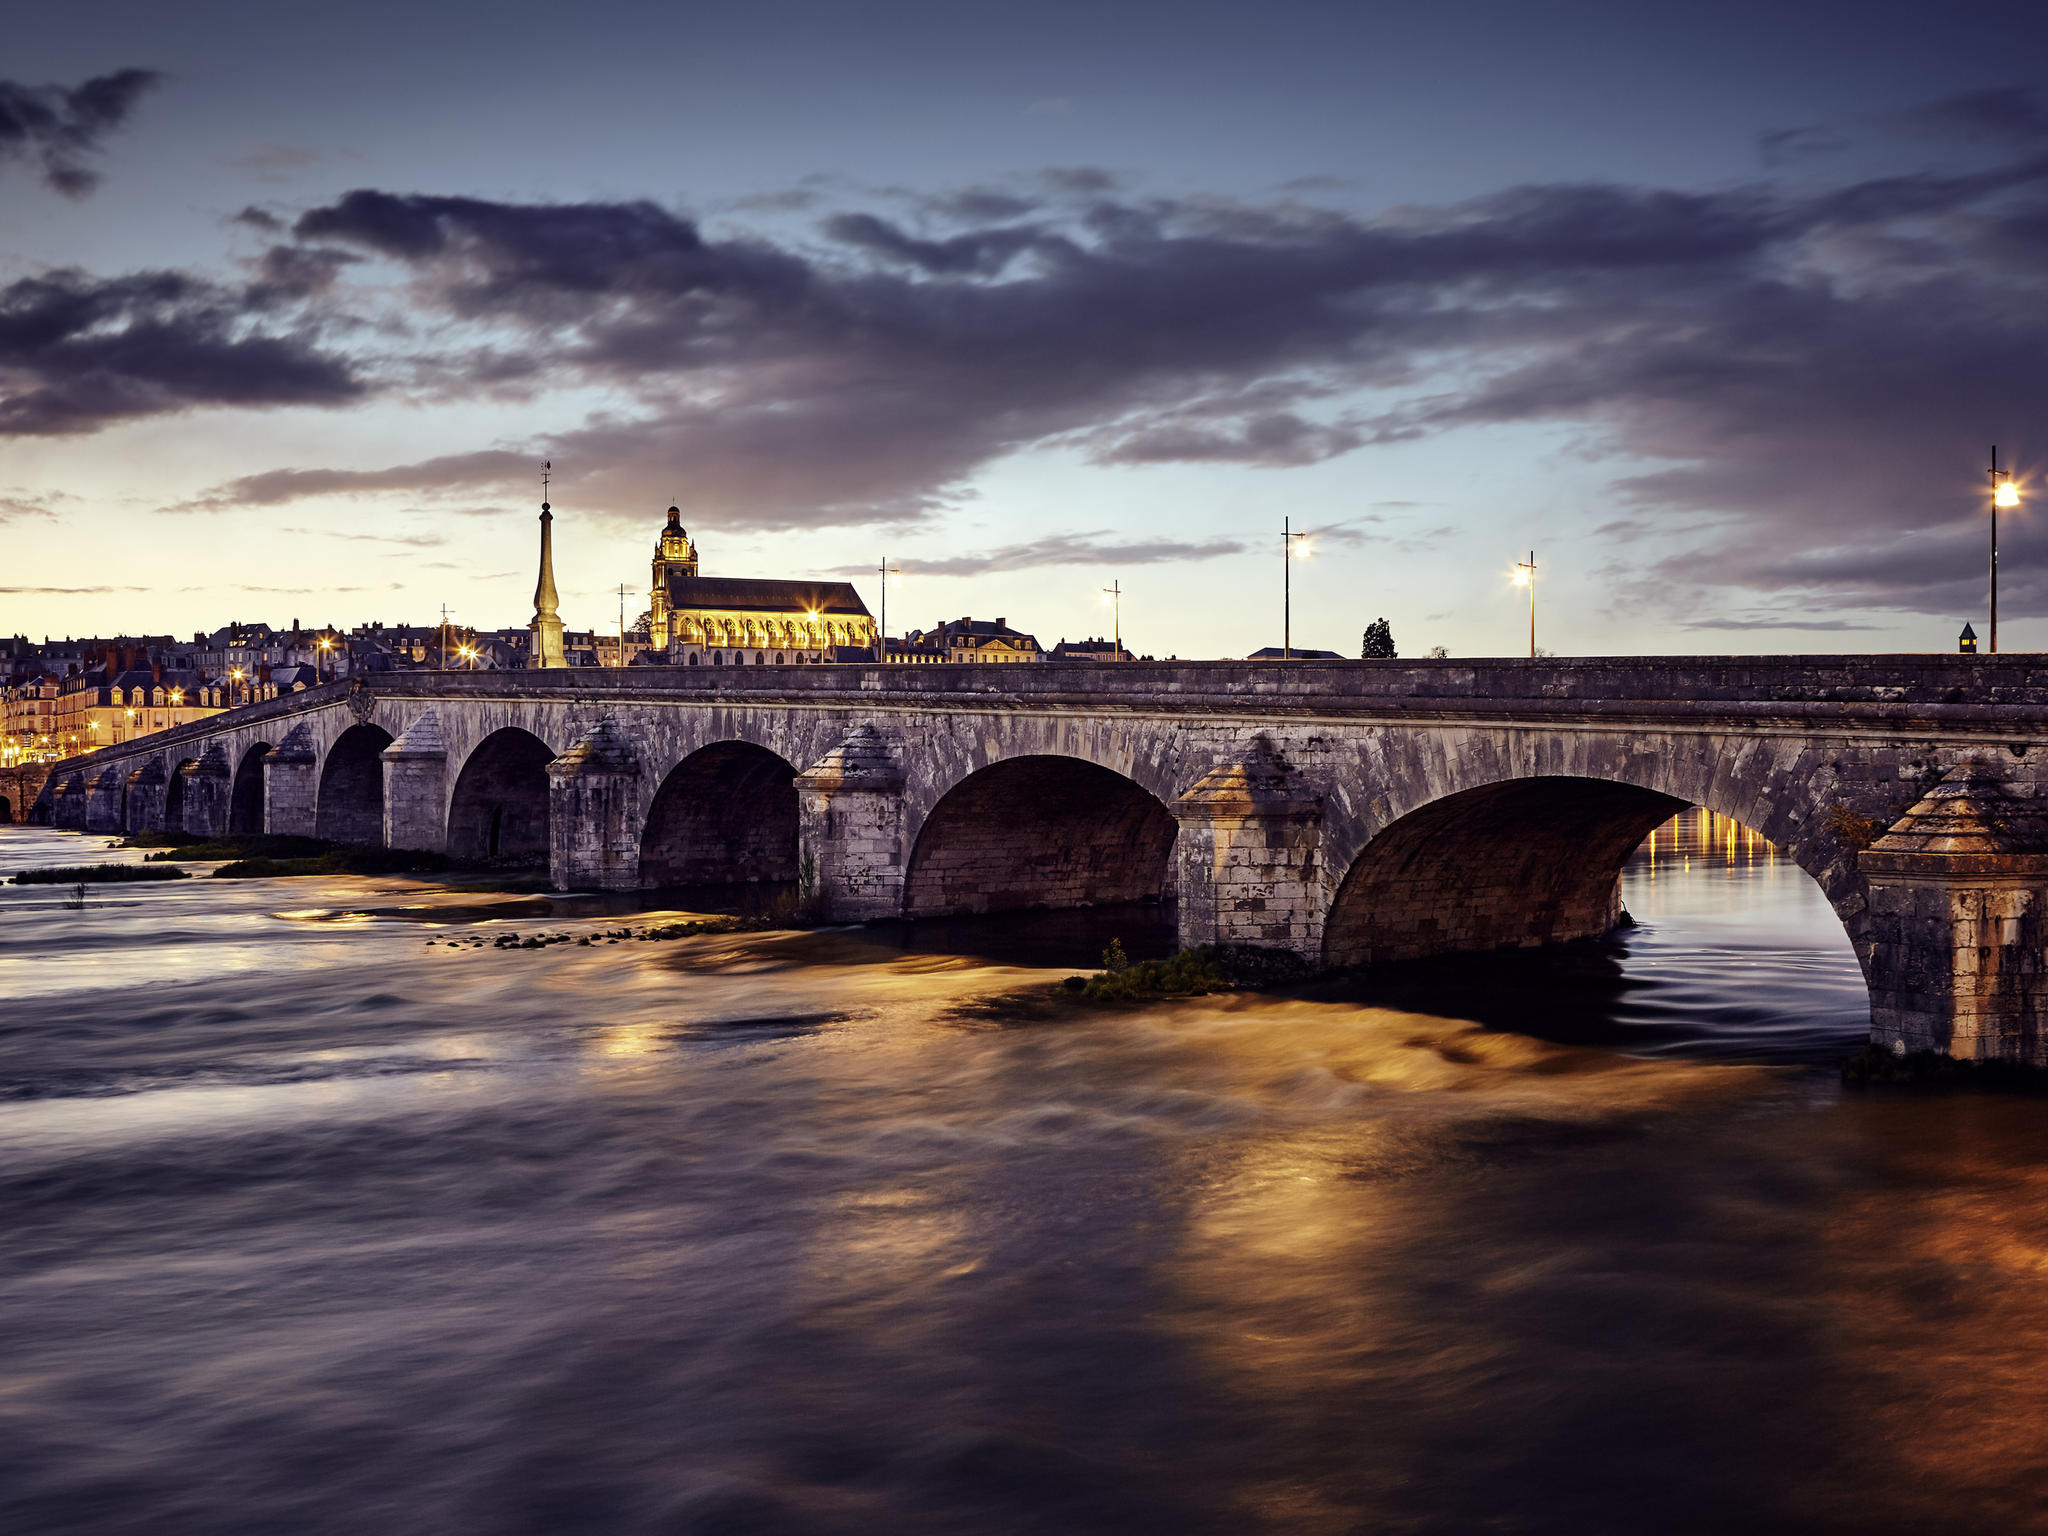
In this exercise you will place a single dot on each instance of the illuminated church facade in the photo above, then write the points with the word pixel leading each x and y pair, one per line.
pixel 696 620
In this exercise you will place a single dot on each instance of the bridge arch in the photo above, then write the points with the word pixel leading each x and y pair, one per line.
pixel 725 814
pixel 245 800
pixel 499 809
pixel 1517 863
pixel 1040 830
pixel 350 807
pixel 1506 860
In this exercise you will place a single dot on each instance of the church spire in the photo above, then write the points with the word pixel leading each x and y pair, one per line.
pixel 546 628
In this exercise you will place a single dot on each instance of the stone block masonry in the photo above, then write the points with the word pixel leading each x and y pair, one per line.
pixel 1351 812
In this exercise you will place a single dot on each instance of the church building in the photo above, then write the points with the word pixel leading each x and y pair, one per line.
pixel 716 621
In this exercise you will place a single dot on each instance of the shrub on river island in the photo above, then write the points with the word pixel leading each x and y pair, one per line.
pixel 250 846
pixel 1191 973
pixel 96 874
pixel 339 861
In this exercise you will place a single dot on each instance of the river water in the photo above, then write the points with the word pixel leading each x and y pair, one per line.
pixel 308 1224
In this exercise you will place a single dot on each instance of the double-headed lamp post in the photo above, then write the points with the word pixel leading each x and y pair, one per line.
pixel 2005 492
pixel 1525 576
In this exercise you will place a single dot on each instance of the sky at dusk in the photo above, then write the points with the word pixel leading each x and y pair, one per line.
pixel 1718 308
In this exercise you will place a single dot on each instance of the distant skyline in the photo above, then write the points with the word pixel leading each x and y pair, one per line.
pixel 1719 309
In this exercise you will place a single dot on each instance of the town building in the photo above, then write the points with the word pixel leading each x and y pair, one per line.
pixel 695 619
pixel 963 640
pixel 1091 650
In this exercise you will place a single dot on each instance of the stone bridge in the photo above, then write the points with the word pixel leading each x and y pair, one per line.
pixel 1352 812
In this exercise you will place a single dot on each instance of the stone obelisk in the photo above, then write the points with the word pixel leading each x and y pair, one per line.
pixel 546 628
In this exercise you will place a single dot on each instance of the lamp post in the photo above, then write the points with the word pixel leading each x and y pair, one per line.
pixel 1525 576
pixel 2004 493
pixel 236 674
pixel 1115 593
pixel 882 635
pixel 1293 546
pixel 324 672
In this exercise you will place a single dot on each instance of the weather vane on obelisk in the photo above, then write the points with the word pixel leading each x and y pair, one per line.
pixel 546 628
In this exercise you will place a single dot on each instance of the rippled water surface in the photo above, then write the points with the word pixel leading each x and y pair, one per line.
pixel 308 1224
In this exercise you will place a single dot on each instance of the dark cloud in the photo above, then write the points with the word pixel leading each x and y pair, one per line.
pixel 982 253
pixel 405 540
pixel 78 352
pixel 61 128
pixel 1824 626
pixel 68 591
pixel 1070 549
pixel 455 472
pixel 1793 380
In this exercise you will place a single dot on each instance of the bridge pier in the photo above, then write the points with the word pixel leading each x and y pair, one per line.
pixel 1958 923
pixel 209 785
pixel 593 803
pixel 415 787
pixel 67 803
pixel 850 829
pixel 1250 836
pixel 103 801
pixel 291 785
pixel 146 785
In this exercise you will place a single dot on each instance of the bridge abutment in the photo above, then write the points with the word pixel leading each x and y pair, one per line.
pixel 850 829
pixel 209 784
pixel 593 822
pixel 1958 923
pixel 416 787
pixel 291 785
pixel 1248 856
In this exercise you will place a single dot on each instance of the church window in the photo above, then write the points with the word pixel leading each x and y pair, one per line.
pixel 693 658
pixel 760 658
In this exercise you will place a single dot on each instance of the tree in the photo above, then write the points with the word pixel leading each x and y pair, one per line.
pixel 1379 641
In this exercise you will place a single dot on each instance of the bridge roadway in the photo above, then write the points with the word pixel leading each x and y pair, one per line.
pixel 1352 812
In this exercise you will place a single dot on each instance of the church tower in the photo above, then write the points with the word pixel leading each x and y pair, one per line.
pixel 674 554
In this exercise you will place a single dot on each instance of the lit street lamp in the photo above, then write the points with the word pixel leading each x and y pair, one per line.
pixel 1293 547
pixel 2004 493
pixel 1525 576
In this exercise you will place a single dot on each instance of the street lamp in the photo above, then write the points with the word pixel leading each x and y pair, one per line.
pixel 236 674
pixel 2004 493
pixel 1115 593
pixel 1525 576
pixel 326 655
pixel 1293 547
pixel 882 638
